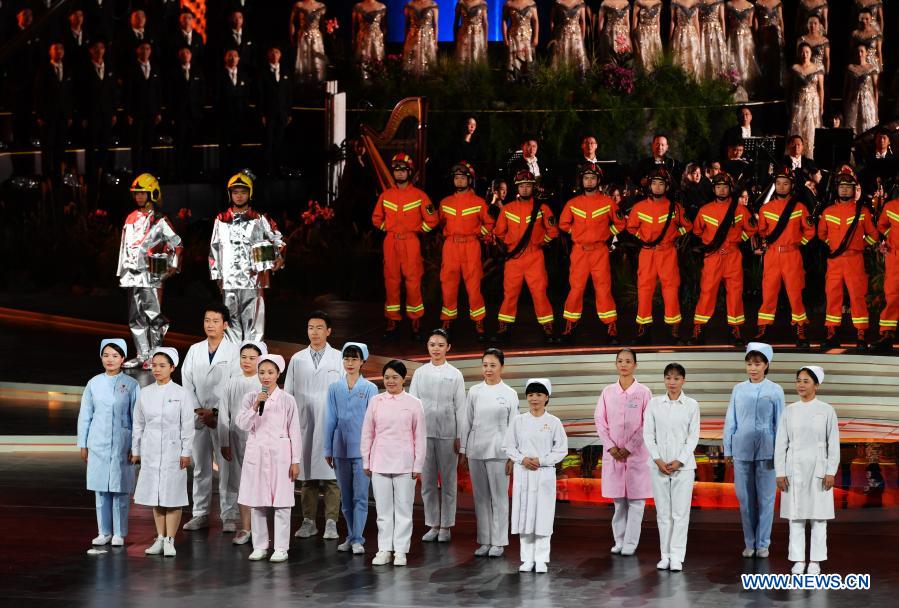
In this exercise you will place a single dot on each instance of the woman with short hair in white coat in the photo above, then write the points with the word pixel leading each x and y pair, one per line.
pixel 806 458
pixel 536 442
pixel 233 439
pixel 161 443
pixel 671 432
pixel 490 408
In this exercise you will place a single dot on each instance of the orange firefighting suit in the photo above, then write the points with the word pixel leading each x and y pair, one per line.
pixel 888 225
pixel 402 213
pixel 465 219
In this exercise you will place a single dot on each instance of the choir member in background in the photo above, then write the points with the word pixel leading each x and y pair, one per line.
pixel 646 25
pixel 812 8
pixel 714 57
pixel 306 37
pixel 369 27
pixel 769 27
pixel 860 94
pixel 741 43
pixel 470 27
pixel 521 30
pixel 807 103
pixel 686 46
pixel 871 36
pixel 420 46
pixel 614 26
pixel 815 38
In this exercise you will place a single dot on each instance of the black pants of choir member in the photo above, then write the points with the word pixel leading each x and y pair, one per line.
pixel 273 144
pixel 143 136
pixel 230 152
pixel 20 100
pixel 97 134
pixel 53 146
pixel 185 136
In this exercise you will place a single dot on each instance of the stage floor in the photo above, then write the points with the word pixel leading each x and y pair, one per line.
pixel 48 521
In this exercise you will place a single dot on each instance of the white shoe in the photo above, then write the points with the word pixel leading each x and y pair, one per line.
pixel 431 535
pixel 278 556
pixel 168 547
pixel 526 567
pixel 330 530
pixel 540 568
pixel 762 553
pixel 628 549
pixel 676 566
pixel 117 541
pixel 229 526
pixel 798 568
pixel 813 568
pixel 307 529
pixel 399 559
pixel 241 538
pixel 616 549
pixel 196 523
pixel 381 558
pixel 495 551
pixel 444 536
pixel 102 539
pixel 747 552
pixel 663 564
pixel 258 554
pixel 482 550
pixel 358 548
pixel 345 546
pixel 156 547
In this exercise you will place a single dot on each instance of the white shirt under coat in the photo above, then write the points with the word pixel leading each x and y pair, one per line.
pixel 671 429
pixel 489 410
pixel 441 389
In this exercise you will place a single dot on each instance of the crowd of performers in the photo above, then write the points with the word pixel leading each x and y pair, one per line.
pixel 332 430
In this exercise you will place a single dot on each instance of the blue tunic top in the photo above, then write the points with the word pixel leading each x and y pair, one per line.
pixel 343 422
pixel 751 422
pixel 104 428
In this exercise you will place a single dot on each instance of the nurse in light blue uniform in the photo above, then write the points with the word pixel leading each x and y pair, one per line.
pixel 104 436
pixel 749 431
pixel 347 402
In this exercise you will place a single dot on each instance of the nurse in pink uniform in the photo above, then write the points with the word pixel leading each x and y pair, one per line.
pixel 625 476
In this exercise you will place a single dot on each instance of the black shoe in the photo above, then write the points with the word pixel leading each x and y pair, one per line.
pixel 612 333
pixel 480 331
pixel 698 336
pixel 736 337
pixel 861 343
pixel 391 331
pixel 802 336
pixel 675 335
pixel 644 337
pixel 503 334
pixel 417 336
pixel 832 340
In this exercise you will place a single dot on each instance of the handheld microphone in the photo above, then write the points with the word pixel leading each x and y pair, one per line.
pixel 262 403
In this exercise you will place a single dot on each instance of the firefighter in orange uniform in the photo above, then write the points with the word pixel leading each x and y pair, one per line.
pixel 888 225
pixel 525 226
pixel 785 225
pixel 846 227
pixel 465 220
pixel 591 219
pixel 722 225
pixel 403 212
pixel 656 222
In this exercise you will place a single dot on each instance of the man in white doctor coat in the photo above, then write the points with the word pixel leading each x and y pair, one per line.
pixel 205 372
pixel 309 374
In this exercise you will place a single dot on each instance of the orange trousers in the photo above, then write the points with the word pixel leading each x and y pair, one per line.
pixel 848 269
pixel 528 267
pixel 783 265
pixel 590 261
pixel 659 264
pixel 718 266
pixel 462 260
pixel 402 262
pixel 889 316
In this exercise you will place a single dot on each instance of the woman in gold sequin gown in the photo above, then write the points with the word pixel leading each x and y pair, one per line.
pixel 819 43
pixel 420 46
pixel 369 23
pixel 521 30
pixel 713 53
pixel 646 24
pixel 769 27
pixel 808 94
pixel 306 35
pixel 869 34
pixel 741 44
pixel 860 93
pixel 685 44
pixel 470 25
pixel 614 25
pixel 568 30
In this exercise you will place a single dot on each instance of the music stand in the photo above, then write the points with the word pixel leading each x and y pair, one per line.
pixel 833 147
pixel 762 149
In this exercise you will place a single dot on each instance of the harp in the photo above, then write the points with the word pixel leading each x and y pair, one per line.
pixel 406 131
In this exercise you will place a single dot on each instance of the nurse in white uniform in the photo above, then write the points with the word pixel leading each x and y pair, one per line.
pixel 490 408
pixel 536 442
pixel 806 458
pixel 161 443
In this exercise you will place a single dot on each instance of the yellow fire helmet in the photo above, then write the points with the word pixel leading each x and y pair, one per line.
pixel 241 180
pixel 149 184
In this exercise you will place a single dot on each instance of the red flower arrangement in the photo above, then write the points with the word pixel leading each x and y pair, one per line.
pixel 617 78
pixel 184 214
pixel 331 25
pixel 315 212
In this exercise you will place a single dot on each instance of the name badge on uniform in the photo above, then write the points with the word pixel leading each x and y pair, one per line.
pixel 633 404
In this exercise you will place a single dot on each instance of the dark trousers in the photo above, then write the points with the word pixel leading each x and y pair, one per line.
pixel 143 136
pixel 53 142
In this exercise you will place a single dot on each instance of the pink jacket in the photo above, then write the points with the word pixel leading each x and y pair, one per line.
pixel 619 423
pixel 394 437
pixel 272 446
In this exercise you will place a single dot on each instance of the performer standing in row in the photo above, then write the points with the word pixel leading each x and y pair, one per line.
pixel 591 219
pixel 536 442
pixel 646 25
pixel 245 248
pixel 657 222
pixel 888 225
pixel 525 226
pixel 150 252
pixel 722 225
pixel 784 224
pixel 402 212
pixel 441 388
pixel 420 46
pixel 465 220
pixel 369 25
pixel 470 27
pixel 521 30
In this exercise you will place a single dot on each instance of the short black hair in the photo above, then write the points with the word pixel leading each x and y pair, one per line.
pixel 162 354
pixel 114 347
pixel 536 387
pixel 439 331
pixel 676 368
pixel 319 314
pixel 216 306
pixel 396 365
pixel 626 350
pixel 655 136
pixel 253 346
pixel 753 355
pixel 353 351
pixel 810 373
pixel 495 352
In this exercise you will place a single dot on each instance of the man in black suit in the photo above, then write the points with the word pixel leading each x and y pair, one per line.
pixel 136 33
pixel 274 108
pixel 659 157
pixel 803 166
pixel 188 93
pixel 97 92
pixel 76 40
pixel 235 36
pixel 881 165
pixel 143 100
pixel 21 68
pixel 232 97
pixel 185 36
pixel 53 108
pixel 100 14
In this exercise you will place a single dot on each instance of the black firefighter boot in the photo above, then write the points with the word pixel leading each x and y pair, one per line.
pixel 417 336
pixel 675 334
pixel 885 344
pixel 832 340
pixel 644 337
pixel 698 336
pixel 802 335
pixel 567 336
pixel 503 333
pixel 736 336
pixel 760 336
pixel 861 343
pixel 612 333
pixel 391 329
pixel 548 336
pixel 480 331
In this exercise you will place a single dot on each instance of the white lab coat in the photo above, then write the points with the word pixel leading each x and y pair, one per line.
pixel 163 433
pixel 534 492
pixel 442 393
pixel 309 387
pixel 231 435
pixel 489 411
pixel 671 430
pixel 206 381
pixel 807 448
